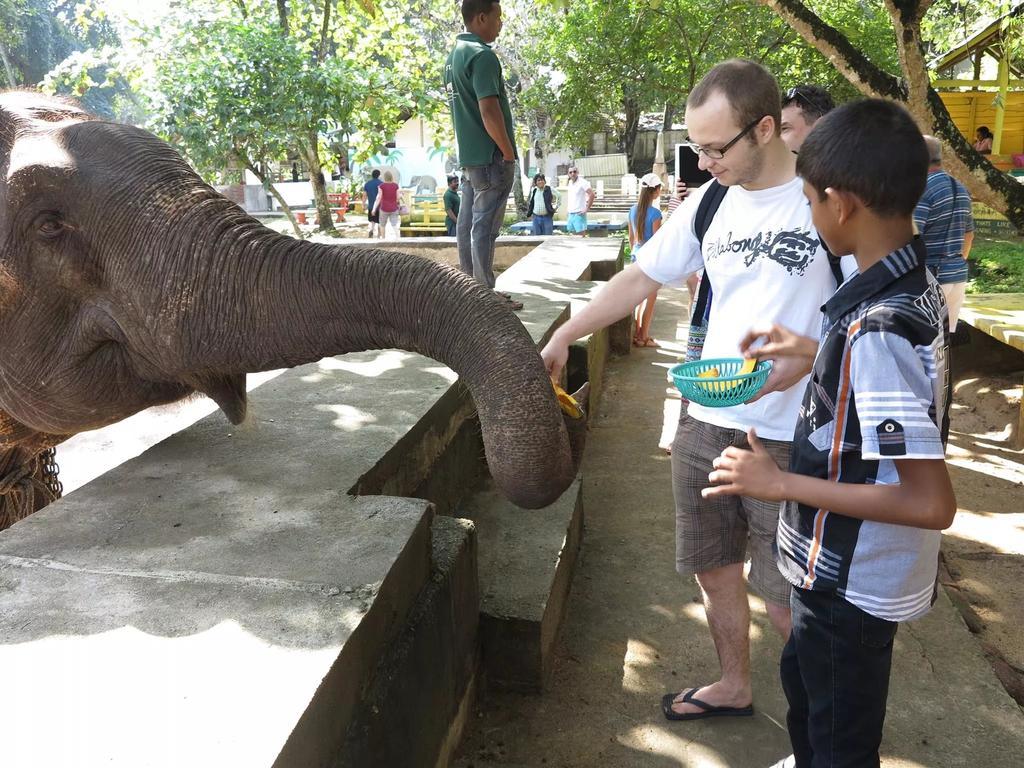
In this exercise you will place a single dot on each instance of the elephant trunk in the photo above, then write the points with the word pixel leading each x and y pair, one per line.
pixel 272 302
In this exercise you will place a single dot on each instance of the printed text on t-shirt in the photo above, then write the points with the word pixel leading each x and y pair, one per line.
pixel 793 250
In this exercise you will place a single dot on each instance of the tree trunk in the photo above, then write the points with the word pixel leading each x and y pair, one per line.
pixel 282 16
pixel 276 195
pixel 985 182
pixel 325 29
pixel 310 152
pixel 670 116
pixel 8 69
pixel 629 130
pixel 517 191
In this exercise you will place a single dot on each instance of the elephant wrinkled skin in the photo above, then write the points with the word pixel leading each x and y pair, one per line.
pixel 127 282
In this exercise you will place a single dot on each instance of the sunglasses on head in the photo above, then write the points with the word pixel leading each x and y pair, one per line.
pixel 806 99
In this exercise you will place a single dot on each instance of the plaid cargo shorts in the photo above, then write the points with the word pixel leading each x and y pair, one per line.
pixel 711 533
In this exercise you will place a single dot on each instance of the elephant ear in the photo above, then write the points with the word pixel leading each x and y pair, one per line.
pixel 228 392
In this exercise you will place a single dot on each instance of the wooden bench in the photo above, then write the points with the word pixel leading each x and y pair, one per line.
pixel 427 218
pixel 1000 316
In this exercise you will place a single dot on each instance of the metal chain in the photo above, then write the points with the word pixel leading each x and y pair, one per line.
pixel 49 471
pixel 29 487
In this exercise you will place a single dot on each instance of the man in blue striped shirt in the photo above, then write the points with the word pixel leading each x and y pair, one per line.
pixel 943 217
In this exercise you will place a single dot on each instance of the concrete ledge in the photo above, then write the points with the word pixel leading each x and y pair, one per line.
pixel 507 251
pixel 133 639
pixel 526 567
pixel 414 713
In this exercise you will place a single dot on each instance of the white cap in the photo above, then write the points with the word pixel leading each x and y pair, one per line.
pixel 650 180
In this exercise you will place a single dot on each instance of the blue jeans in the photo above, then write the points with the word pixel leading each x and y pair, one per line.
pixel 543 225
pixel 485 191
pixel 449 226
pixel 835 672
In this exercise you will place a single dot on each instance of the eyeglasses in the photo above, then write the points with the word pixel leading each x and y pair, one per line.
pixel 717 154
pixel 806 99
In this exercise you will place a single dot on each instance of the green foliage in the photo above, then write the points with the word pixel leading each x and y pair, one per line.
pixel 866 22
pixel 233 91
pixel 596 61
pixel 227 86
pixel 999 265
pixel 37 35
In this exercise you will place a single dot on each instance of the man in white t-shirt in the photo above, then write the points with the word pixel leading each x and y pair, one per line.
pixel 766 264
pixel 581 196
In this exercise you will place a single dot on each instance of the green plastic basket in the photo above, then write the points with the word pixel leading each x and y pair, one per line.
pixel 729 388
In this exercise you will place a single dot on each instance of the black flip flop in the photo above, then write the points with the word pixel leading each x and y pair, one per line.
pixel 707 710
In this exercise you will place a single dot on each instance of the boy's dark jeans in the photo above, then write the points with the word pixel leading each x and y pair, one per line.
pixel 835 672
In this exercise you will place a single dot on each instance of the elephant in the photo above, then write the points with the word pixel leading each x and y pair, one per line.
pixel 128 282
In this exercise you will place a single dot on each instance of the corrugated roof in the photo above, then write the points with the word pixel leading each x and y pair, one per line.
pixel 984 39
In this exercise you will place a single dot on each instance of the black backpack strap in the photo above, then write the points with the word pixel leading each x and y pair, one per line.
pixel 706 210
pixel 833 264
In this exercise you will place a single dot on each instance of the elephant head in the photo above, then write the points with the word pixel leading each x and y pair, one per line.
pixel 127 282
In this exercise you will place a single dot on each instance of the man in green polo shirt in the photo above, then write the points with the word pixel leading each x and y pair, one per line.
pixel 483 131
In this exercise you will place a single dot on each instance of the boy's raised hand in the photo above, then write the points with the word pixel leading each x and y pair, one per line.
pixel 792 356
pixel 742 472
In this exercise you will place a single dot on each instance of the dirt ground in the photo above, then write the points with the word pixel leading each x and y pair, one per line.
pixel 984 549
pixel 635 629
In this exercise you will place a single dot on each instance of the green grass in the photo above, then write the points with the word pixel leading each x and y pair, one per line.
pixel 998 265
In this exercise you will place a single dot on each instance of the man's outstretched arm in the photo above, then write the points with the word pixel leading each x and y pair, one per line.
pixel 613 302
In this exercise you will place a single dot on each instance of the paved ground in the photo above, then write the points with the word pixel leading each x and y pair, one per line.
pixel 636 629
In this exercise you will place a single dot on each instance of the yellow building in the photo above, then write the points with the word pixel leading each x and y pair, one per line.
pixel 982 86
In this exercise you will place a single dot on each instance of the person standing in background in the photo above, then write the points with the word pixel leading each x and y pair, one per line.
pixel 387 207
pixel 943 217
pixel 451 206
pixel 370 190
pixel 484 133
pixel 542 206
pixel 802 107
pixel 581 197
pixel 644 220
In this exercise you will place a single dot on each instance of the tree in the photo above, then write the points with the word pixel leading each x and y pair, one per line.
pixel 37 36
pixel 238 94
pixel 249 83
pixel 911 86
pixel 661 49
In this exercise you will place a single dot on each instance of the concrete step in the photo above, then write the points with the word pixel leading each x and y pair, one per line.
pixel 527 559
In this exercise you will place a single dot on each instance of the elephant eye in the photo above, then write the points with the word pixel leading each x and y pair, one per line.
pixel 50 225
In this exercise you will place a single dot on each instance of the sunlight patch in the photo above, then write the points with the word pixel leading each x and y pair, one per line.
pixel 662 741
pixel 387 360
pixel 639 658
pixel 348 418
pixel 38 150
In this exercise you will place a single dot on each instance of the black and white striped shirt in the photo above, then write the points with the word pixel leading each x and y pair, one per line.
pixel 879 391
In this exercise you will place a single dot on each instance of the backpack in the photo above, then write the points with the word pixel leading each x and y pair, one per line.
pixel 706 210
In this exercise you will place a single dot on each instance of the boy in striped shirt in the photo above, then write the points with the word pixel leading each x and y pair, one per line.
pixel 867 491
